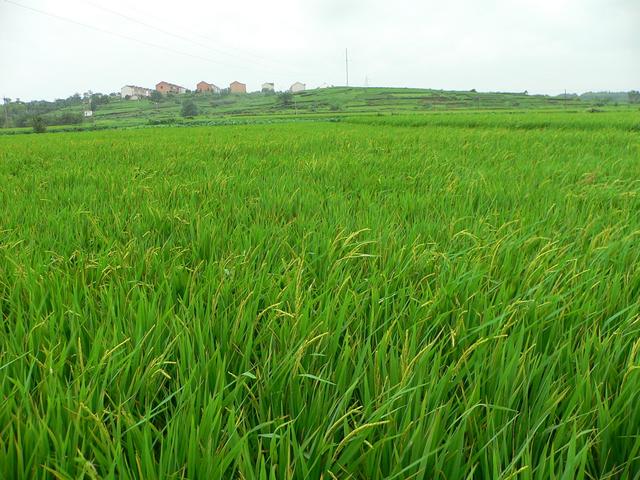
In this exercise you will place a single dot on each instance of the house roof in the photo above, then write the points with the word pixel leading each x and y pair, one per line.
pixel 237 83
pixel 169 84
pixel 207 83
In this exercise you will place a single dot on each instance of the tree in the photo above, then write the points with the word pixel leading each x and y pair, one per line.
pixel 38 124
pixel 634 96
pixel 155 97
pixel 6 101
pixel 67 118
pixel 285 99
pixel 189 109
pixel 98 99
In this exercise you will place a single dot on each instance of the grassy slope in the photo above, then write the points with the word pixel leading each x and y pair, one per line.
pixel 337 101
pixel 381 300
pixel 332 100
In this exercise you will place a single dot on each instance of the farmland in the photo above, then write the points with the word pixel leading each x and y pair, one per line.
pixel 451 295
pixel 311 105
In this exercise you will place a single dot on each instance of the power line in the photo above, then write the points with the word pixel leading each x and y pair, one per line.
pixel 181 37
pixel 152 27
pixel 120 35
pixel 184 27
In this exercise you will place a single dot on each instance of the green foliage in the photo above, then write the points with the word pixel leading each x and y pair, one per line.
pixel 38 124
pixel 285 99
pixel 162 121
pixel 21 120
pixel 156 96
pixel 189 109
pixel 97 100
pixel 443 296
pixel 67 118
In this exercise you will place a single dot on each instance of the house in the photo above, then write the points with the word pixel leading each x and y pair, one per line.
pixel 323 86
pixel 204 87
pixel 166 87
pixel 237 87
pixel 298 87
pixel 134 93
pixel 88 113
pixel 268 87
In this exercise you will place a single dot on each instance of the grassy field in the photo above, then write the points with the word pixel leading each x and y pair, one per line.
pixel 413 296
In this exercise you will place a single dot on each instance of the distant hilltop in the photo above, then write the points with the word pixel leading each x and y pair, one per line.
pixel 170 103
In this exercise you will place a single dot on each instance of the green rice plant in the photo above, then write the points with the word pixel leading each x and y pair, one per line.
pixel 416 296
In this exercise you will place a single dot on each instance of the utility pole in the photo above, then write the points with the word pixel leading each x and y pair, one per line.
pixel 346 62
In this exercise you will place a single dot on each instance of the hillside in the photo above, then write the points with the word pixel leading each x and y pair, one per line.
pixel 113 111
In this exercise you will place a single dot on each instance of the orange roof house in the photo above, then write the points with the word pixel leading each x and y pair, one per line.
pixel 204 87
pixel 237 87
pixel 166 87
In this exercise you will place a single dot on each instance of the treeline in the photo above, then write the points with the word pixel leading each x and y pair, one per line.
pixel 62 111
pixel 606 98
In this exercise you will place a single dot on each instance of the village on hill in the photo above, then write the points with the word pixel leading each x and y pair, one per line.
pixel 133 92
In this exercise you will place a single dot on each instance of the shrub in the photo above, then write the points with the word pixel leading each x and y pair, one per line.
pixel 38 124
pixel 156 96
pixel 21 121
pixel 285 99
pixel 161 121
pixel 67 118
pixel 189 109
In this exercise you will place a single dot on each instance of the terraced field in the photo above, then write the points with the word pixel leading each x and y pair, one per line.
pixel 309 105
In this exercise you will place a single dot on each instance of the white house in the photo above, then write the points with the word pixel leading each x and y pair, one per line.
pixel 134 93
pixel 88 113
pixel 298 87
pixel 268 87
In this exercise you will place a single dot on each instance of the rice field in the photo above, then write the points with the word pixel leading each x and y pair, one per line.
pixel 446 296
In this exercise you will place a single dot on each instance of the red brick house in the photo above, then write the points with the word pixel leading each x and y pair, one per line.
pixel 237 87
pixel 166 87
pixel 204 87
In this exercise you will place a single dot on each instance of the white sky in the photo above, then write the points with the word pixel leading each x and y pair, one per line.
pixel 542 46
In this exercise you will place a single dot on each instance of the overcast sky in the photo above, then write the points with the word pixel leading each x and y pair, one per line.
pixel 543 46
